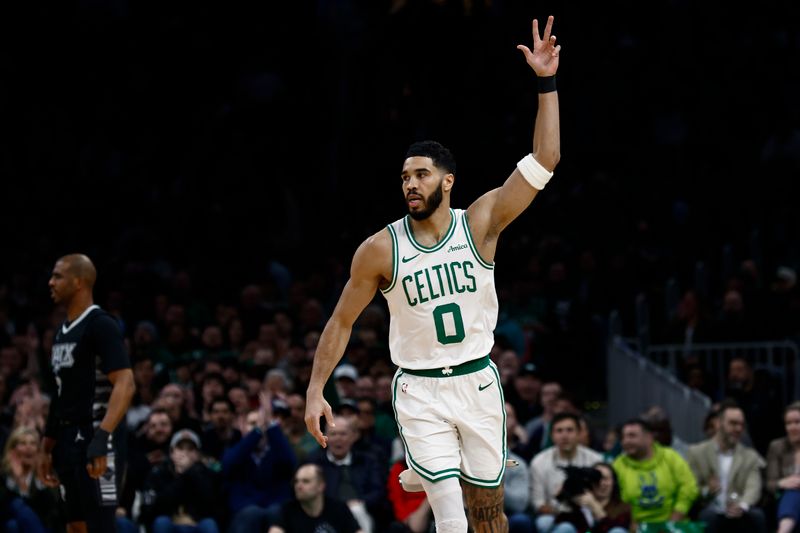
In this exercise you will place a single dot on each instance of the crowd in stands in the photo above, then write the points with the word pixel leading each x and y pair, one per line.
pixel 215 437
pixel 211 133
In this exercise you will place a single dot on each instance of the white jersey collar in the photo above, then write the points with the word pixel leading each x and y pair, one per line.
pixel 65 329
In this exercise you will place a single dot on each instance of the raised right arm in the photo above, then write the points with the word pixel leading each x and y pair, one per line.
pixel 371 267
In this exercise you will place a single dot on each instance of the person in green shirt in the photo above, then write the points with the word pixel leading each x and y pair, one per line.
pixel 655 480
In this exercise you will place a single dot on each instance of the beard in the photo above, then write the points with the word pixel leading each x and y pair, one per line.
pixel 432 202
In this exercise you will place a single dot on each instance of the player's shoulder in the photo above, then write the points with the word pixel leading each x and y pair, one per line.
pixel 379 242
pixel 102 319
pixel 374 256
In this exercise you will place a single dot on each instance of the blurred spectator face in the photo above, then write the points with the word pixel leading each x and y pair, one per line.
pixel 584 435
pixel 740 374
pixel 221 416
pixel 23 447
pixel 341 437
pixel 236 332
pixel 225 314
pixel 171 406
pixel 184 454
pixel 366 415
pixel 311 314
pixel 253 386
pixel 284 325
pixel 251 422
pixel 212 338
pixel 365 387
pixel 175 314
pixel 610 441
pixel 508 365
pixel 212 367
pixel 528 387
pixel 159 428
pixel 143 372
pixel 602 491
pixel 711 425
pixel 731 426
pixel 296 356
pixel 732 303
pixel 297 406
pixel 144 334
pixel 311 340
pixel 791 422
pixel 308 485
pixel 212 387
pixel 183 373
pixel 10 361
pixel 238 397
pixel 231 374
pixel 346 387
pixel 636 442
pixel 550 393
pixel 276 383
pixel 176 335
pixel 251 297
pixel 383 389
pixel 263 356
pixel 295 422
pixel 565 436
pixel 173 392
pixel 267 334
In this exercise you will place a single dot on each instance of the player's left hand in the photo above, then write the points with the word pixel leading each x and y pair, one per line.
pixel 97 467
pixel 543 59
pixel 96 453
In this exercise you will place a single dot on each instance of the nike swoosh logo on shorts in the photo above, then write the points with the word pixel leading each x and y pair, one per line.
pixel 482 387
pixel 407 259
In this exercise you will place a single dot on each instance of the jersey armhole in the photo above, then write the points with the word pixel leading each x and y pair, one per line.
pixel 393 281
pixel 483 263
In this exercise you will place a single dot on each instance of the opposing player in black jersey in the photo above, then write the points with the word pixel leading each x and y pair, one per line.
pixel 93 389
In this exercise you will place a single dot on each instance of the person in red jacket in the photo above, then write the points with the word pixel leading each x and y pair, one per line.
pixel 412 511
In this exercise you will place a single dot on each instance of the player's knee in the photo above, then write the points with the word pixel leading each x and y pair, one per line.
pixel 485 509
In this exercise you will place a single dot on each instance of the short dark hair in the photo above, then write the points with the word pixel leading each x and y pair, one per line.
pixel 213 376
pixel 645 425
pixel 442 157
pixel 222 399
pixel 560 417
pixel 318 471
pixel 727 403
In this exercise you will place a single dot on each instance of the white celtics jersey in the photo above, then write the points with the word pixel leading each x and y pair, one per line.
pixel 442 299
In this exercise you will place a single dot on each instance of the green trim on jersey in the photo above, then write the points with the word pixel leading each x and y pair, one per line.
pixel 450 230
pixel 496 482
pixel 433 477
pixel 424 472
pixel 395 254
pixel 472 246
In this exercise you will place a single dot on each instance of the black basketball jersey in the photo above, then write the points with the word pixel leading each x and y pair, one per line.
pixel 84 352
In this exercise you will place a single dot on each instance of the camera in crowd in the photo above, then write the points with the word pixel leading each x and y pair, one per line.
pixel 579 480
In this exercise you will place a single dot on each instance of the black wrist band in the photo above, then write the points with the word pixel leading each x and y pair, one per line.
pixel 98 447
pixel 547 84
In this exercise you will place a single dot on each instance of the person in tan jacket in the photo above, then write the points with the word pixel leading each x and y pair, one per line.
pixel 729 477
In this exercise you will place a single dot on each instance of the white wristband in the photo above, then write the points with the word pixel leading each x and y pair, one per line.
pixel 533 172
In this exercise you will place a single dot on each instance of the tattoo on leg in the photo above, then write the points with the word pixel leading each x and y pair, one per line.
pixel 485 509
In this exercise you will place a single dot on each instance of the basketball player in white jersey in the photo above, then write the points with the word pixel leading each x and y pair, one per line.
pixel 435 268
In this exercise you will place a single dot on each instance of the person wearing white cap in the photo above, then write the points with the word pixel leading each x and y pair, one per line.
pixel 345 377
pixel 182 491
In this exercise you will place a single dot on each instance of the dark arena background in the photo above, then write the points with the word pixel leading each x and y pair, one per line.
pixel 220 162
